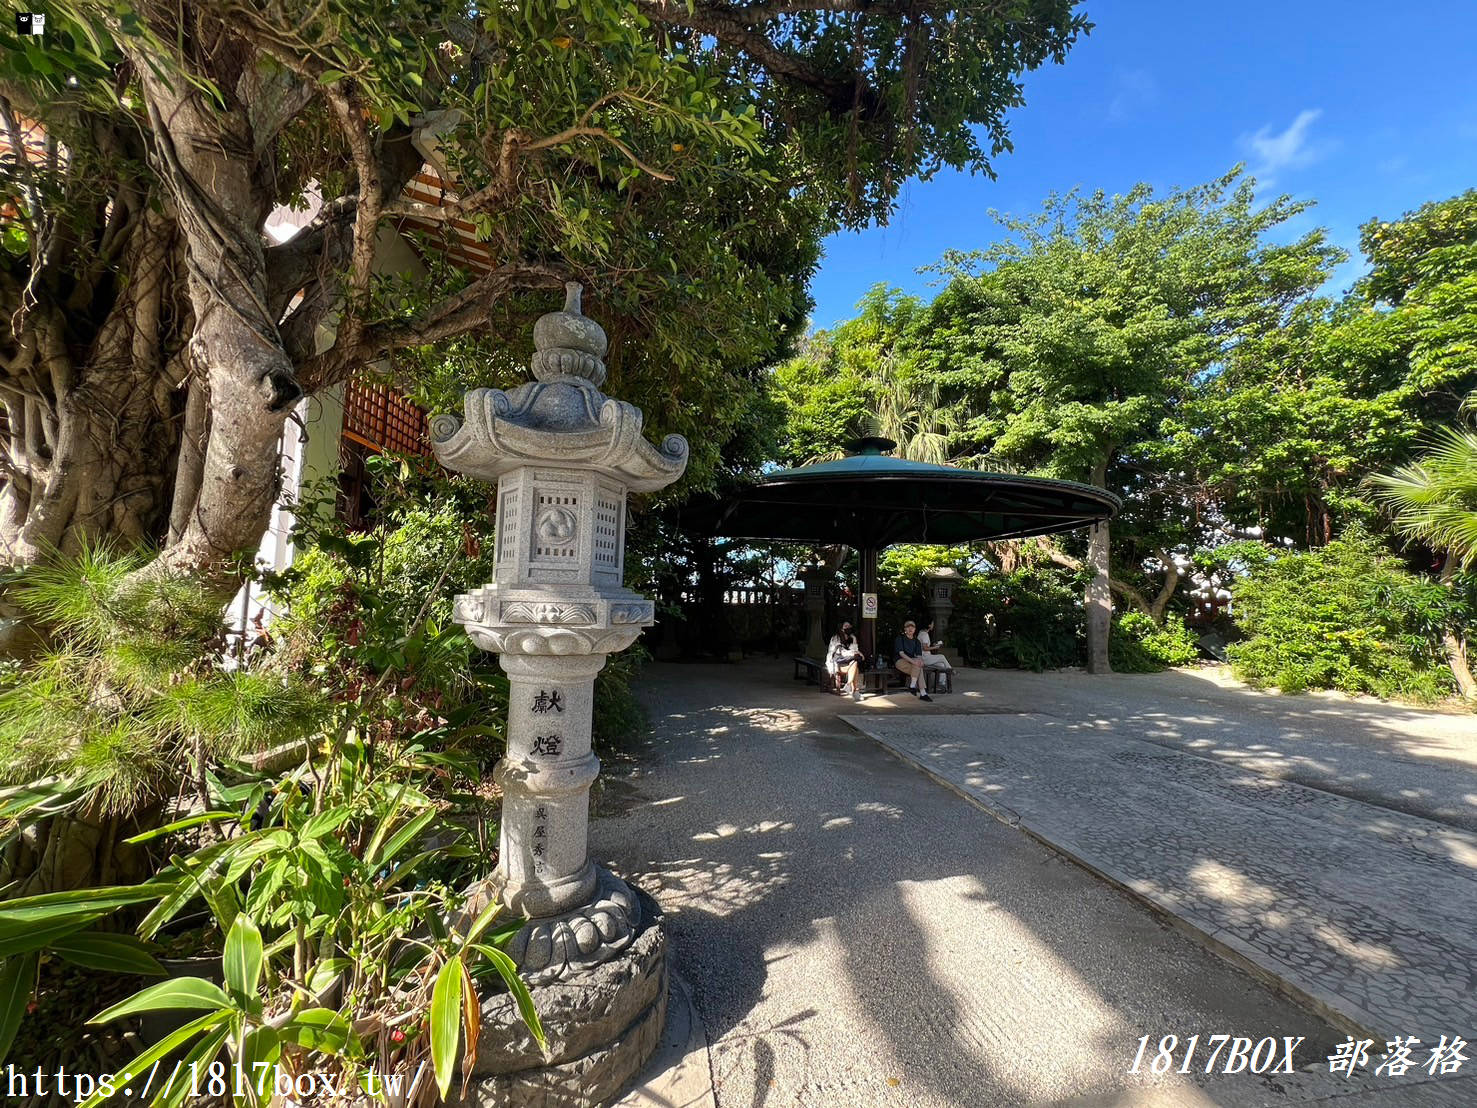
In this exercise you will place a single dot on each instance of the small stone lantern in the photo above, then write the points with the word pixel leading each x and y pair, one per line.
pixel 942 581
pixel 563 456
pixel 814 578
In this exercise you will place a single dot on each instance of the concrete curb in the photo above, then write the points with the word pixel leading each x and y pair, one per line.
pixel 1336 1010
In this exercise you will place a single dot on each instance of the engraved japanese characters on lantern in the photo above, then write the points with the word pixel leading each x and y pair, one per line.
pixel 564 456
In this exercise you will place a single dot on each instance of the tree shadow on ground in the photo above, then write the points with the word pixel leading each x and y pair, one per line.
pixel 856 934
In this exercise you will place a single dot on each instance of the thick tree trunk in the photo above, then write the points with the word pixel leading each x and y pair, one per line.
pixel 1160 606
pixel 76 851
pixel 90 442
pixel 235 343
pixel 1099 601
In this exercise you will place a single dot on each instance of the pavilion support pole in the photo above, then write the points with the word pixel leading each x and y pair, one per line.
pixel 867 627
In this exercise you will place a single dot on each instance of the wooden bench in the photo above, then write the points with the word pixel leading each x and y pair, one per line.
pixel 881 680
pixel 815 673
pixel 808 670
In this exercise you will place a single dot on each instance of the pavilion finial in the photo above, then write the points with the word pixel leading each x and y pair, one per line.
pixel 872 444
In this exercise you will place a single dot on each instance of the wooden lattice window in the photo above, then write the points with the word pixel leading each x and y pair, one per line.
pixel 377 420
pixel 380 418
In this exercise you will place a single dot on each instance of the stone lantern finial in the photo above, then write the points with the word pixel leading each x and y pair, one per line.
pixel 569 343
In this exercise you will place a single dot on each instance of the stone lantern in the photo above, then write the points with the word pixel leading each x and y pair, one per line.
pixel 814 578
pixel 941 583
pixel 563 456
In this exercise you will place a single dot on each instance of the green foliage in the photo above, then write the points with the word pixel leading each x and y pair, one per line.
pixel 618 715
pixel 1169 347
pixel 1102 312
pixel 1424 267
pixel 1344 616
pixel 1087 344
pixel 366 615
pixel 133 693
pixel 858 380
pixel 685 161
pixel 333 887
pixel 1141 646
pixel 1030 618
pixel 1435 498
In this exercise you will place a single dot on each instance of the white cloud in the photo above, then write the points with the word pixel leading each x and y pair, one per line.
pixel 1290 149
pixel 1132 89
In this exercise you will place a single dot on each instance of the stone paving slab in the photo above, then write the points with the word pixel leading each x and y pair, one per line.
pixel 1367 914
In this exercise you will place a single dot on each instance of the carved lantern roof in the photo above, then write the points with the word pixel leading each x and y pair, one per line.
pixel 561 418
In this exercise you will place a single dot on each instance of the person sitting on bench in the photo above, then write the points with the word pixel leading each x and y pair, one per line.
pixel 907 655
pixel 844 657
pixel 932 656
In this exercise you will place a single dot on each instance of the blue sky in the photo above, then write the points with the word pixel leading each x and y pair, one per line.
pixel 1368 108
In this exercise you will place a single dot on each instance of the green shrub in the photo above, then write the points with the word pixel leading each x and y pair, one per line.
pixel 133 694
pixel 1138 645
pixel 376 604
pixel 618 715
pixel 1345 616
pixel 1030 618
pixel 1037 619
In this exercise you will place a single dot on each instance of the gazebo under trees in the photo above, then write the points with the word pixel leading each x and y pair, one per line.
pixel 870 501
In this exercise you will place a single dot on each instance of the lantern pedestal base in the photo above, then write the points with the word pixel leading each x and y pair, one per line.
pixel 603 1022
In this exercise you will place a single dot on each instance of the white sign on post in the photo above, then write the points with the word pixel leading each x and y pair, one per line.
pixel 869 605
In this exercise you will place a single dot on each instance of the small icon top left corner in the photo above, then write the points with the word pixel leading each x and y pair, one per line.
pixel 30 23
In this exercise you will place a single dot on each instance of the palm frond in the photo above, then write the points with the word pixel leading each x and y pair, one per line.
pixel 1435 498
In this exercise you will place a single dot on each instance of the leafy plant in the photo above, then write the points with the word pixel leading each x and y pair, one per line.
pixel 63 924
pixel 1345 616
pixel 1139 645
pixel 335 888
pixel 132 700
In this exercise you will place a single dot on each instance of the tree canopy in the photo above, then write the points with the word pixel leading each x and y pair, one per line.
pixel 1176 348
pixel 682 159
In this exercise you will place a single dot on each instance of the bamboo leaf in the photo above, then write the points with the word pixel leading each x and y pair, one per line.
pixel 180 825
pixel 177 993
pixel 320 1029
pixel 199 1058
pixel 508 970
pixel 242 961
pixel 165 1046
pixel 18 940
pixel 446 1022
pixel 401 838
pixel 107 952
pixel 472 1016
pixel 17 980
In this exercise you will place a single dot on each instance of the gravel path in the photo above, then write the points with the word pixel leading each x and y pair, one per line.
pixel 856 934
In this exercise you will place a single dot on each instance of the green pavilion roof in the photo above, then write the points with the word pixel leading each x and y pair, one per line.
pixel 870 500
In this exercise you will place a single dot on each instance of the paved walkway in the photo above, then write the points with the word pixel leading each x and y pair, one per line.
pixel 1416 761
pixel 856 934
pixel 1368 911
